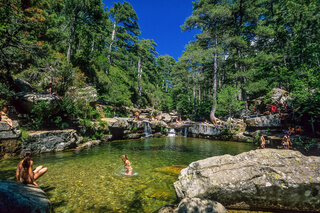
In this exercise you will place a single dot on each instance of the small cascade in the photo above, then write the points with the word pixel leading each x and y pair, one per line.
pixel 185 132
pixel 171 132
pixel 147 130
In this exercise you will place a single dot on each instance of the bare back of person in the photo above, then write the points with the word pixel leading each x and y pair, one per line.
pixel 26 175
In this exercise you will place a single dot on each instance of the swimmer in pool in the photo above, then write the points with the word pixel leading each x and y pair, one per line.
pixel 127 165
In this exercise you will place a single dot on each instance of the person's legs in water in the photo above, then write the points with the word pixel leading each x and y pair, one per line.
pixel 39 171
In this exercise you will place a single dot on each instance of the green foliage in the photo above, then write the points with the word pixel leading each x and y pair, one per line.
pixel 42 115
pixel 24 135
pixel 227 101
pixel 86 139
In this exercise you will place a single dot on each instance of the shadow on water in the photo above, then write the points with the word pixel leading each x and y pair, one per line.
pixel 8 174
pixel 136 204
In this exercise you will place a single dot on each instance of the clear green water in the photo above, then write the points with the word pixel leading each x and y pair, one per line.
pixel 91 180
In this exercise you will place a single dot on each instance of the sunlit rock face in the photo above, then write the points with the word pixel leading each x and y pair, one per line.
pixel 203 130
pixel 267 121
pixel 260 179
pixel 17 197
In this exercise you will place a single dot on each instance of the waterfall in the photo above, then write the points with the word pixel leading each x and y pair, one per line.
pixel 147 130
pixel 171 132
pixel 185 132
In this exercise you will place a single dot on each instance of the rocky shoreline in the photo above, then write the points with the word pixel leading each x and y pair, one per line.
pixel 240 130
pixel 269 179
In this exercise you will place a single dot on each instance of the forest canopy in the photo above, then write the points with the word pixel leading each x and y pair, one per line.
pixel 245 48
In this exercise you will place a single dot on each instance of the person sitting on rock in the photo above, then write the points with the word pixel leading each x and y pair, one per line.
pixel 24 173
pixel 262 142
pixel 5 118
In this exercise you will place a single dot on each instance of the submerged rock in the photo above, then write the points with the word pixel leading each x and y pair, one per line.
pixel 260 179
pixel 17 197
pixel 171 170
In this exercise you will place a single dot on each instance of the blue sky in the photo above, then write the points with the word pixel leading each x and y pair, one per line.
pixel 160 20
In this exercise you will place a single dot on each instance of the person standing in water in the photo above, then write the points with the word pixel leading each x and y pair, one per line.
pixel 127 165
pixel 24 173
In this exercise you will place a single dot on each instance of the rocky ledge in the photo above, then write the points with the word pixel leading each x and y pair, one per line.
pixel 51 141
pixel 261 179
pixel 16 197
pixel 6 133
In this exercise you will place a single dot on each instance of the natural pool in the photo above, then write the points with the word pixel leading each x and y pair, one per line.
pixel 90 180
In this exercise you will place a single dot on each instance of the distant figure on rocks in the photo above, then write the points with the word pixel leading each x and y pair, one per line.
pixel 5 118
pixel 127 165
pixel 262 142
pixel 286 141
pixel 24 173
pixel 136 114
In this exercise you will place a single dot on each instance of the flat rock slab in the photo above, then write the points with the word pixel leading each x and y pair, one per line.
pixel 260 179
pixel 16 198
pixel 51 141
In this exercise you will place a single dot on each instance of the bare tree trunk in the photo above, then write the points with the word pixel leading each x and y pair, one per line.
pixel 194 92
pixel 111 44
pixel 139 77
pixel 73 29
pixel 214 95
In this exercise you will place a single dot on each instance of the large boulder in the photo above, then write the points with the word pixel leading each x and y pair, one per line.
pixel 27 100
pixel 51 141
pixel 87 94
pixel 279 95
pixel 23 85
pixel 260 179
pixel 16 197
pixel 203 130
pixel 267 121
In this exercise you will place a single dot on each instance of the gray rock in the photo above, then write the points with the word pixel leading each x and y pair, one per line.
pixel 28 100
pixel 16 198
pixel 267 121
pixel 165 117
pixel 134 136
pixel 51 141
pixel 87 94
pixel 23 85
pixel 279 95
pixel 89 144
pixel 197 130
pixel 10 134
pixel 259 179
pixel 4 126
pixel 168 209
pixel 197 205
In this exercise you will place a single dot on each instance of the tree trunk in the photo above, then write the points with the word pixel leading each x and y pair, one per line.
pixel 111 44
pixel 139 77
pixel 73 29
pixel 214 96
pixel 194 92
